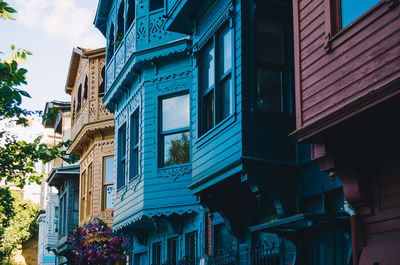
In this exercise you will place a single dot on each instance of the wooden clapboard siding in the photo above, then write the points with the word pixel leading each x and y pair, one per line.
pixel 222 145
pixel 362 58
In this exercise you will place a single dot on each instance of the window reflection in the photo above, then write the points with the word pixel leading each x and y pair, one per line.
pixel 175 116
pixel 175 113
pixel 177 148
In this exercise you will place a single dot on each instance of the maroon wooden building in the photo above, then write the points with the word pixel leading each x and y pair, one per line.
pixel 347 65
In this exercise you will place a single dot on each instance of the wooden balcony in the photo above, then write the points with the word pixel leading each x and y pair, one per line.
pixel 145 33
pixel 91 111
pixel 343 74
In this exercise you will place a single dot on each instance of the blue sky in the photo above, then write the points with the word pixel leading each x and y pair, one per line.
pixel 49 29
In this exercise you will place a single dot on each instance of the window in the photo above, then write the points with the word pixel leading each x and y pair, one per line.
pixel 110 49
pixel 56 216
pixel 79 97
pixel 85 90
pixel 156 254
pixel 83 194
pixel 131 13
pixel 351 10
pixel 216 93
pixel 103 79
pixel 134 161
pixel 174 133
pixel 121 170
pixel 89 190
pixel 108 182
pixel 156 4
pixel 140 258
pixel 172 251
pixel 191 247
pixel 272 69
pixel 121 25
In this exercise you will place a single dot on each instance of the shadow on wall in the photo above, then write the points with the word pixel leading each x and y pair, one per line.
pixel 27 253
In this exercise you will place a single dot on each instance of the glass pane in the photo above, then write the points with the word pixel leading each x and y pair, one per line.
pixel 175 113
pixel 134 163
pixel 209 111
pixel 269 87
pixel 351 9
pixel 270 41
pixel 109 170
pixel 226 52
pixel 176 149
pixel 226 97
pixel 109 196
pixel 207 67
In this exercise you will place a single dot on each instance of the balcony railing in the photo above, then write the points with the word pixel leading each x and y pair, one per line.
pixel 222 258
pixel 146 32
pixel 265 254
pixel 90 112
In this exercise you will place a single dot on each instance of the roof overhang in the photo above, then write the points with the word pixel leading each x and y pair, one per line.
pixel 298 222
pixel 100 20
pixel 73 69
pixel 58 175
pixel 61 106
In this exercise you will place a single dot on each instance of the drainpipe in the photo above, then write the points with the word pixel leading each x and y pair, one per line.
pixel 349 209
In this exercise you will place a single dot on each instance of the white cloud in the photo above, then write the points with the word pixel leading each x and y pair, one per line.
pixel 62 20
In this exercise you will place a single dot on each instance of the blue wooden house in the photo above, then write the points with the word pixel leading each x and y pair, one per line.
pixel 148 83
pixel 275 202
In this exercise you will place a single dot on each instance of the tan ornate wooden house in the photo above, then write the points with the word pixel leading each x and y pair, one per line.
pixel 92 134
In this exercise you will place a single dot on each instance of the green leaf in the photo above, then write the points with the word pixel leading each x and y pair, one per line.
pixel 24 93
pixel 12 47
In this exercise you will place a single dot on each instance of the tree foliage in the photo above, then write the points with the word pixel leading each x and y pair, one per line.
pixel 17 158
pixel 20 225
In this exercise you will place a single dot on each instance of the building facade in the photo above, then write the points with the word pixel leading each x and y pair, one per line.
pixel 65 178
pixel 148 84
pixel 347 63
pixel 273 199
pixel 92 134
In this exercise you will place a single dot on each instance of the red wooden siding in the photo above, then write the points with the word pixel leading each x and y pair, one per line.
pixel 362 59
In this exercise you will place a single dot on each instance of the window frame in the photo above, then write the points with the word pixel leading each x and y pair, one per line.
pixel 154 253
pixel 89 190
pixel 83 196
pixel 187 246
pixel 106 184
pixel 162 134
pixel 216 88
pixel 333 20
pixel 134 146
pixel 121 157
pixel 285 68
pixel 169 250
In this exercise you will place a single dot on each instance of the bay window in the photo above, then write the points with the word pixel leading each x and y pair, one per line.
pixel 216 88
pixel 174 132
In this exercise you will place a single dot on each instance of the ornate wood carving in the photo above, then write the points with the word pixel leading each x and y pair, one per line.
pixel 173 173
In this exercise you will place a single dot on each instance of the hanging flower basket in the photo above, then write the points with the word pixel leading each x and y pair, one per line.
pixel 96 243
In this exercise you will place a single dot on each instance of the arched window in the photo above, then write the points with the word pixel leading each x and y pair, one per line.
pixel 131 13
pixel 110 51
pixel 79 98
pixel 156 4
pixel 121 26
pixel 85 91
pixel 101 87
